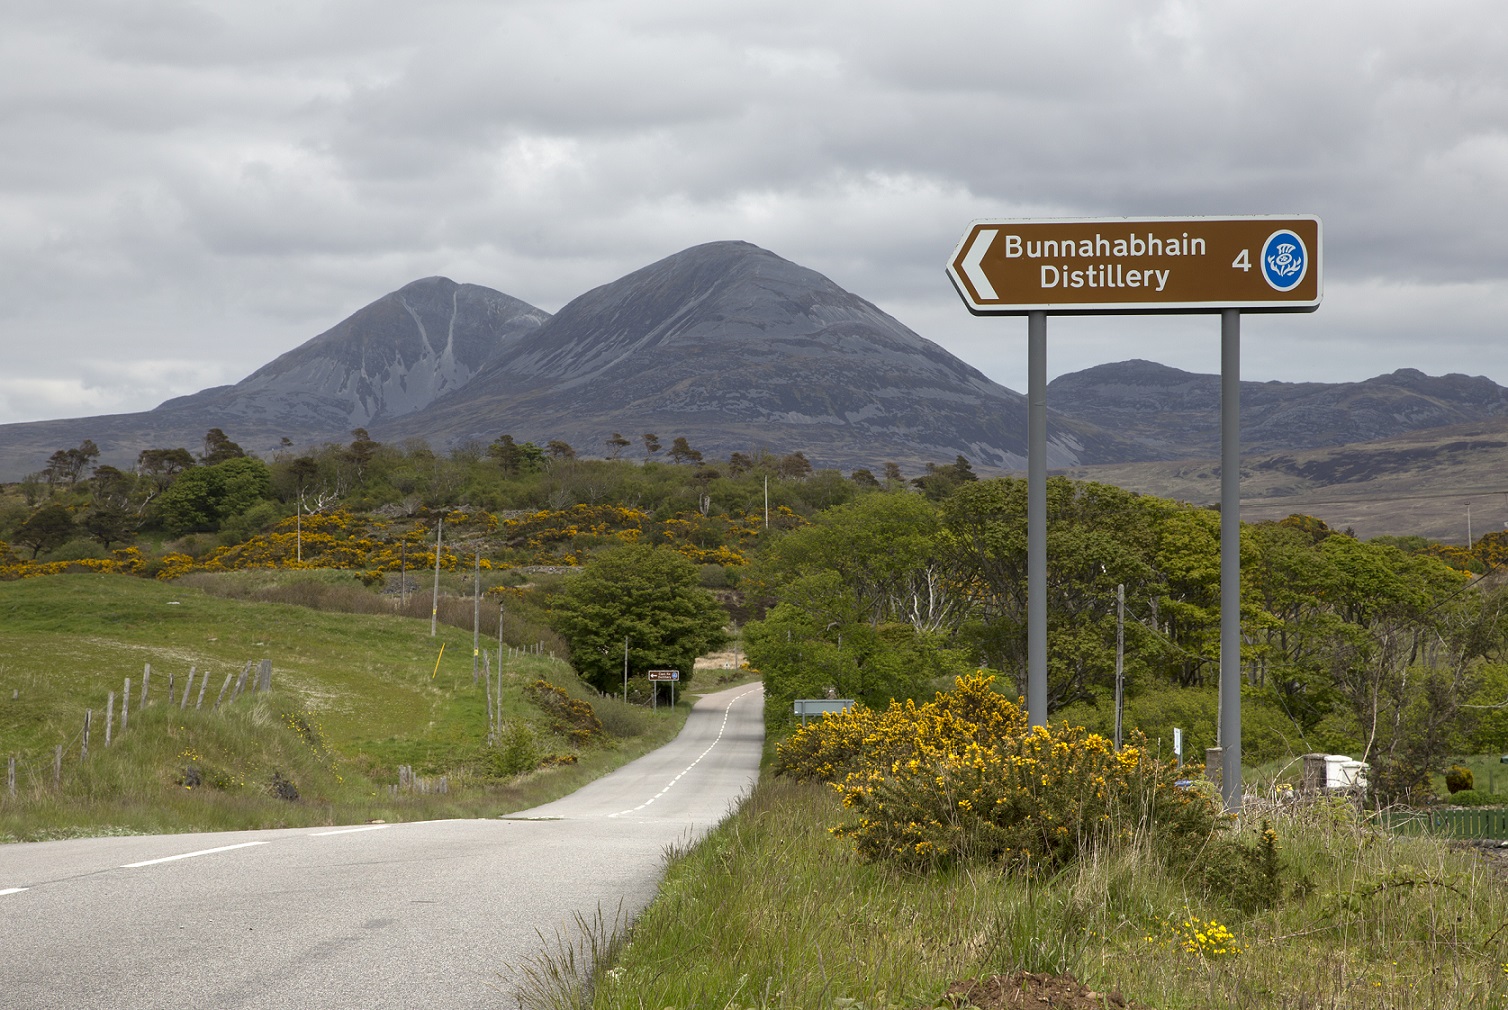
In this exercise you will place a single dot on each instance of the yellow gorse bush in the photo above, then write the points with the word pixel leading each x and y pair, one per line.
pixel 965 777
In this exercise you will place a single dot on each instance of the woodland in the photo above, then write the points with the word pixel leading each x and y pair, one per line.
pixel 872 585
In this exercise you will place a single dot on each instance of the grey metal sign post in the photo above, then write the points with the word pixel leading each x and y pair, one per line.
pixel 1103 266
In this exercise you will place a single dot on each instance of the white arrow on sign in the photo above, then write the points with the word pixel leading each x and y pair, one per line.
pixel 971 260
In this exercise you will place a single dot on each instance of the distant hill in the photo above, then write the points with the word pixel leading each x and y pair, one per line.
pixel 1172 414
pixel 1436 483
pixel 737 349
pixel 388 359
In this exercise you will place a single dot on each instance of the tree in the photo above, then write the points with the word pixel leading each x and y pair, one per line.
pixel 161 466
pixel 66 466
pixel 864 479
pixel 119 499
pixel 616 445
pixel 48 527
pixel 681 451
pixel 218 448
pixel 867 605
pixel 361 450
pixel 794 466
pixel 940 481
pixel 514 458
pixel 109 524
pixel 648 595
pixel 739 463
pixel 202 498
pixel 558 450
pixel 651 444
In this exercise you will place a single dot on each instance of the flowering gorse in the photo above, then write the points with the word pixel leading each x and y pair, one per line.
pixel 965 777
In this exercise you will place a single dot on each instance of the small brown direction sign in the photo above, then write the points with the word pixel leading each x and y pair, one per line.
pixel 1134 265
pixel 664 674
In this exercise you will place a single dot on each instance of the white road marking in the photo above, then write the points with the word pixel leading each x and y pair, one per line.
pixel 726 712
pixel 349 831
pixel 188 855
pixel 11 890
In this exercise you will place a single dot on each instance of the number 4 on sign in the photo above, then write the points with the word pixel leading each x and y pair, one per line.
pixel 1242 262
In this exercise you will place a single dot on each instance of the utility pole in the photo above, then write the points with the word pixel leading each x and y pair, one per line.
pixel 476 617
pixel 434 607
pixel 1120 661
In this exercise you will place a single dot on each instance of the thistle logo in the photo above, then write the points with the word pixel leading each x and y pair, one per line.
pixel 1285 261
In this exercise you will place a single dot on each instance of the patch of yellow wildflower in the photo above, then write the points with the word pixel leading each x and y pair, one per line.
pixel 127 561
pixel 1207 938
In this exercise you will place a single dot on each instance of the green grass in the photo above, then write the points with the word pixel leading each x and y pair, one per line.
pixel 354 697
pixel 771 911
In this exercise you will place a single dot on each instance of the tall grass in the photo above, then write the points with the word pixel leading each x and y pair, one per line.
pixel 772 911
pixel 370 686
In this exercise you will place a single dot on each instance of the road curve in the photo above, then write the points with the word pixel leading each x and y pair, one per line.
pixel 371 916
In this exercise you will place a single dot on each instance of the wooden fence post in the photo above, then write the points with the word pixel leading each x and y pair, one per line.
pixel 487 689
pixel 125 704
pixel 264 676
pixel 171 678
pixel 241 680
pixel 11 778
pixel 84 752
pixel 187 687
pixel 203 683
pixel 109 717
pixel 146 680
pixel 228 678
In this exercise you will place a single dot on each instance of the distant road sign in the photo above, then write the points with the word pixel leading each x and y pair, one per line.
pixel 665 675
pixel 1137 265
pixel 816 706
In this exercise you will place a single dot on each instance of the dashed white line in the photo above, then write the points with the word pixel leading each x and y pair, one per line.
pixel 188 855
pixel 726 712
pixel 349 831
pixel 11 890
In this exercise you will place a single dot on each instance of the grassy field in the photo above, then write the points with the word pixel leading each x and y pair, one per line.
pixel 354 696
pixel 772 911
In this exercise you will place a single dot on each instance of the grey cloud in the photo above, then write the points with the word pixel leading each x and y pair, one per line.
pixel 222 182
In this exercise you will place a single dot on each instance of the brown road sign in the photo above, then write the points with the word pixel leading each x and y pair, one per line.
pixel 1126 265
pixel 664 674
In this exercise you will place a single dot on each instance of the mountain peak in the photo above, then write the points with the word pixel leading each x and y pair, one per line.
pixel 737 348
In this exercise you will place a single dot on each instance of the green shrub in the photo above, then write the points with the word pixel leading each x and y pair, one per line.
pixel 517 752
pixel 571 717
pixel 1247 877
pixel 1473 798
pixel 1458 779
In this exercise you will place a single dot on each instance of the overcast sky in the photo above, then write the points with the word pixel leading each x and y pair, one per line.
pixel 188 190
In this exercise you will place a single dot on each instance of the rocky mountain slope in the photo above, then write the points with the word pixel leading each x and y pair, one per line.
pixel 391 358
pixel 387 359
pixel 737 349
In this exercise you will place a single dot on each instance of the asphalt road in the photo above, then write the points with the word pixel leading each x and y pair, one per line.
pixel 373 916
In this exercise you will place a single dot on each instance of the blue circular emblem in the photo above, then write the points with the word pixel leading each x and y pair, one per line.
pixel 1285 261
